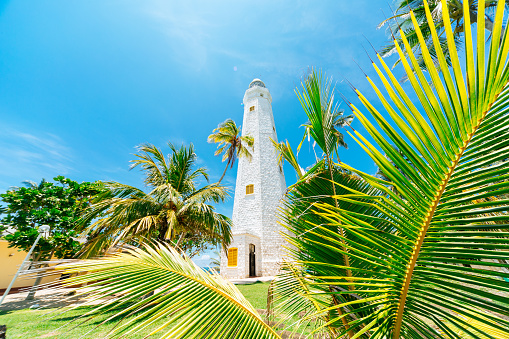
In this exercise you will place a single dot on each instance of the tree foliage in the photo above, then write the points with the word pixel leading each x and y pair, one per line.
pixel 159 282
pixel 174 208
pixel 401 21
pixel 59 205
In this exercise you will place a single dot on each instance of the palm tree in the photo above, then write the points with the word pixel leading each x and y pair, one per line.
pixel 325 120
pixel 432 220
pixel 230 143
pixel 318 101
pixel 341 121
pixel 30 184
pixel 401 21
pixel 174 209
pixel 324 116
pixel 424 263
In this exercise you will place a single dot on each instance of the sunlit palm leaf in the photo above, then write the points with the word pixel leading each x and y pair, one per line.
pixel 231 144
pixel 317 99
pixel 158 283
pixel 434 256
pixel 482 329
pixel 401 20
pixel 285 152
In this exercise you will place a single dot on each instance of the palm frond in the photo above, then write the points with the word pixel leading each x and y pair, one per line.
pixel 153 162
pixel 211 193
pixel 428 255
pixel 318 246
pixel 156 282
pixel 181 174
pixel 230 143
pixel 317 99
pixel 285 152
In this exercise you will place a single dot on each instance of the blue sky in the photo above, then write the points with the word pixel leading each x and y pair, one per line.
pixel 83 82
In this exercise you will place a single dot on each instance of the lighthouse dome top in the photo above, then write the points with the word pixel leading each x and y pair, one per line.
pixel 256 91
pixel 256 82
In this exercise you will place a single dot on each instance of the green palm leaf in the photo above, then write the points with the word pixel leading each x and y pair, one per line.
pixel 231 144
pixel 156 282
pixel 317 99
pixel 285 152
pixel 402 20
pixel 430 255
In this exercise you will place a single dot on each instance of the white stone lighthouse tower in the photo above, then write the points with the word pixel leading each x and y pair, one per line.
pixel 257 246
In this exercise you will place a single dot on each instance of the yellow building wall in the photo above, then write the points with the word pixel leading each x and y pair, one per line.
pixel 10 260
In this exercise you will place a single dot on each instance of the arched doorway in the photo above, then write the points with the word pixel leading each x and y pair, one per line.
pixel 252 261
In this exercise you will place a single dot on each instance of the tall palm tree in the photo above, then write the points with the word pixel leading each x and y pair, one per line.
pixel 231 143
pixel 173 209
pixel 318 101
pixel 401 21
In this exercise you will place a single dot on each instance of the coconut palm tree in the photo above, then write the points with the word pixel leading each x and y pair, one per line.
pixel 174 208
pixel 30 184
pixel 230 143
pixel 402 20
pixel 423 263
pixel 324 116
pixel 324 121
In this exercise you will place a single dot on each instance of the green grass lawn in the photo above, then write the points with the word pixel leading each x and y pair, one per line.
pixel 256 294
pixel 38 324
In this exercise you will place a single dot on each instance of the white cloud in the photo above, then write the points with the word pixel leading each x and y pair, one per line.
pixel 49 143
pixel 32 156
pixel 205 257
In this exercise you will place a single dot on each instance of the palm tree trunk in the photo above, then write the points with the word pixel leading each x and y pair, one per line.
pixel 162 231
pixel 224 172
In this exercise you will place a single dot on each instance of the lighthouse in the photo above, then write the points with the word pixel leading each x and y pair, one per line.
pixel 257 247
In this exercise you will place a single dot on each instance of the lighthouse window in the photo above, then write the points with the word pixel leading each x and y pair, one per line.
pixel 249 189
pixel 232 257
pixel 261 94
pixel 251 108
